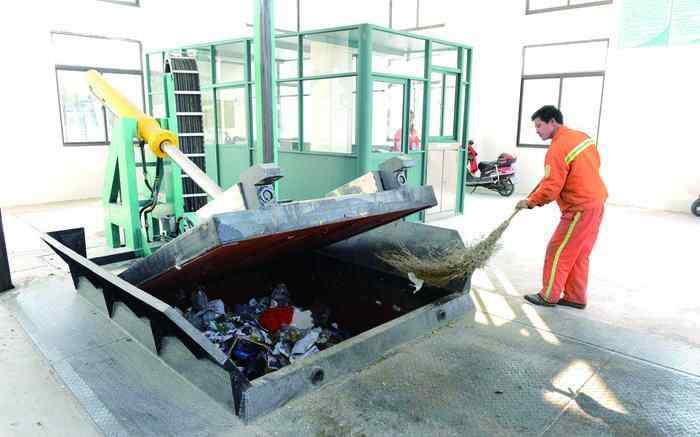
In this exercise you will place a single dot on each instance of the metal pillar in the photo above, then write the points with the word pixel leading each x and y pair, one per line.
pixel 265 83
pixel 364 100
pixel 5 279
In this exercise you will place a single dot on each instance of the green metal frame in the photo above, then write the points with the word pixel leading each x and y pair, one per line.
pixel 298 164
pixel 120 193
pixel 124 192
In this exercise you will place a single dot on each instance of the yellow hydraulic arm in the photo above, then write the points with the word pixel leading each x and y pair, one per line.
pixel 148 129
pixel 163 143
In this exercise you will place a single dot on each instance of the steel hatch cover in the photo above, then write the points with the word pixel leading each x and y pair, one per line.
pixel 239 240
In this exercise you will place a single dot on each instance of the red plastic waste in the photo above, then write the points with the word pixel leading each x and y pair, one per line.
pixel 273 318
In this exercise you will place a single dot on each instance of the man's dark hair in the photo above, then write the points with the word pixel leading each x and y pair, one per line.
pixel 470 142
pixel 547 113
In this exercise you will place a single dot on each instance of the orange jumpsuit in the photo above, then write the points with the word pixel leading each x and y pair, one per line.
pixel 571 178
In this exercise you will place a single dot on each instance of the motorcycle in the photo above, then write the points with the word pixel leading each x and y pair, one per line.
pixel 695 207
pixel 494 175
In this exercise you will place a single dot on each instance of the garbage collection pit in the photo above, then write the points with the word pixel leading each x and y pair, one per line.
pixel 282 312
pixel 347 307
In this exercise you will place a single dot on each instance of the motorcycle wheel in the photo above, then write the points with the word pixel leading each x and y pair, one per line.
pixel 695 208
pixel 506 188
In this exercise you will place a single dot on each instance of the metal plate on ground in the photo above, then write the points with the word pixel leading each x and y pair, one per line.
pixel 631 398
pixel 125 389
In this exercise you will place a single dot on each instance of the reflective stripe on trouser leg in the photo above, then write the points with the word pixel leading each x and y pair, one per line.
pixel 577 281
pixel 559 268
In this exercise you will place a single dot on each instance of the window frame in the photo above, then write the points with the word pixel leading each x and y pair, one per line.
pixel 447 137
pixel 561 77
pixel 568 6
pixel 102 70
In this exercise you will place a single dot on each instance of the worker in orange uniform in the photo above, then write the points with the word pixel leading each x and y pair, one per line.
pixel 572 178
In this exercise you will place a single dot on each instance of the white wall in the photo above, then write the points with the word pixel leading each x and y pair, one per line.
pixel 647 142
pixel 35 167
pixel 646 133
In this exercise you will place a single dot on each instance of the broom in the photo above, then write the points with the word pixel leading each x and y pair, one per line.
pixel 440 266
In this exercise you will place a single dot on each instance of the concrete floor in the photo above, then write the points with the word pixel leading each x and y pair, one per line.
pixel 627 365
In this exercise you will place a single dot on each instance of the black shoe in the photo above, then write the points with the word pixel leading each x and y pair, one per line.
pixel 537 300
pixel 568 303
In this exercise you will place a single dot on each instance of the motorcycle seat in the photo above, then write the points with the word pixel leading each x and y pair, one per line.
pixel 485 165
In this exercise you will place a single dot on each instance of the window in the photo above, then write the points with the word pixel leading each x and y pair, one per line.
pixel 288 115
pixel 209 117
pixel 397 54
pixel 231 116
pixel 387 112
pixel 569 76
pixel 537 6
pixel 306 92
pixel 287 57
pixel 329 111
pixel 230 62
pixel 417 14
pixel 135 3
pixel 330 52
pixel 84 121
pixel 443 100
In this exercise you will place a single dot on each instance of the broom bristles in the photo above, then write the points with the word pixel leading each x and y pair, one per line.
pixel 441 266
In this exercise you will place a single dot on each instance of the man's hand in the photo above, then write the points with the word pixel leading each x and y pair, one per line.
pixel 522 205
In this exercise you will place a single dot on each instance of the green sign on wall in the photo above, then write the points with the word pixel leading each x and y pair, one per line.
pixel 652 23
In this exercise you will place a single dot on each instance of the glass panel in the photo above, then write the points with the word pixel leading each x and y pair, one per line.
pixel 566 58
pixel 81 113
pixel 287 54
pixel 329 53
pixel 546 4
pixel 208 117
pixel 158 103
pixel 203 58
pixel 387 113
pixel 231 116
pixel 230 62
pixel 397 54
pixel 329 109
pixel 96 52
pixel 436 104
pixel 254 114
pixel 176 53
pixel 155 64
pixel 580 103
pixel 404 14
pixel 435 157
pixel 288 117
pixel 445 56
pixel 448 120
pixel 415 115
pixel 536 93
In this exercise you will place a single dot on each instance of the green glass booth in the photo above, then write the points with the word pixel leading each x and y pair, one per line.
pixel 348 99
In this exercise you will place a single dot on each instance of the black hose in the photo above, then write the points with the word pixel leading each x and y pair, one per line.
pixel 143 167
pixel 151 205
